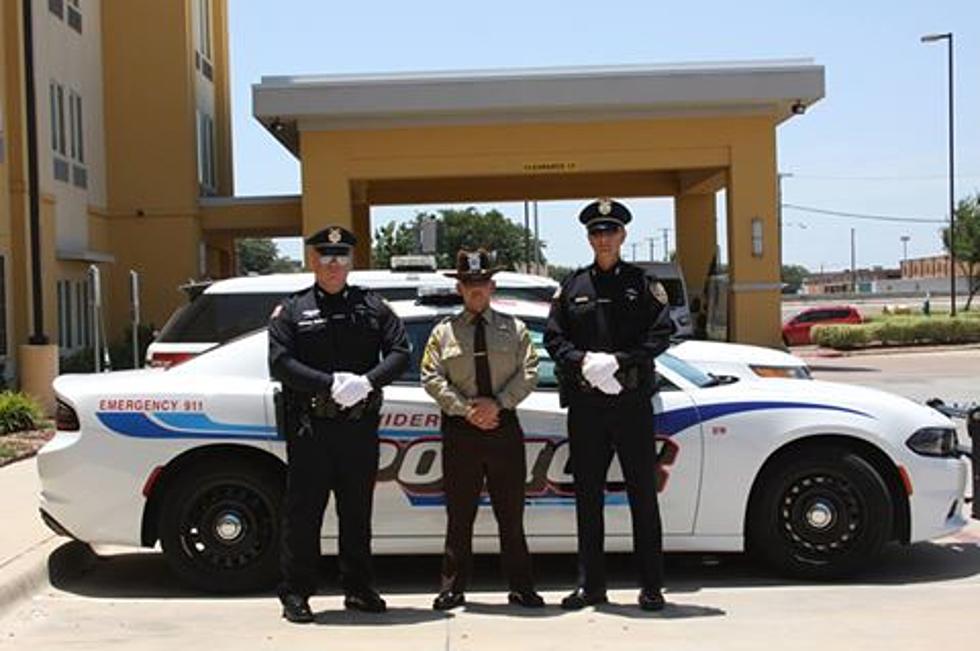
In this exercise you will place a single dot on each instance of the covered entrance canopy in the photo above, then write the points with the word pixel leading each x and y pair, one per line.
pixel 684 131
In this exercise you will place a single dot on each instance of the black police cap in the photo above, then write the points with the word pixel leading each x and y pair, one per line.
pixel 604 214
pixel 332 239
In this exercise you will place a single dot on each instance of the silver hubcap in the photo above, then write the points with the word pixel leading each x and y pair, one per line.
pixel 228 527
pixel 820 515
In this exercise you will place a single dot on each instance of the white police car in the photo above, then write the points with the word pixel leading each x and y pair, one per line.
pixel 814 477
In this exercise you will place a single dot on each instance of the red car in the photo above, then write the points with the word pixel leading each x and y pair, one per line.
pixel 796 331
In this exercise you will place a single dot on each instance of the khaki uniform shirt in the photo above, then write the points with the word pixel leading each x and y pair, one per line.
pixel 449 364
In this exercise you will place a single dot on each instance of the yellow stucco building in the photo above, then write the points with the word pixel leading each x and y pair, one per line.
pixel 134 159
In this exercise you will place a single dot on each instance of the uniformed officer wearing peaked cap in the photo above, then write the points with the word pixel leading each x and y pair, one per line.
pixel 607 323
pixel 333 347
pixel 479 365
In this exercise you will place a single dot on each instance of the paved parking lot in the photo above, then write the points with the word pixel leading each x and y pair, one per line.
pixel 917 597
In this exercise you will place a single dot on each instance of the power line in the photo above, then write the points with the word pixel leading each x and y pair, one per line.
pixel 927 177
pixel 855 215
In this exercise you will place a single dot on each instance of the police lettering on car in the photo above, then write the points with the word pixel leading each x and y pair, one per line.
pixel 607 323
pixel 333 347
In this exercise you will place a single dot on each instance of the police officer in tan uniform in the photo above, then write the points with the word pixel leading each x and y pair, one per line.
pixel 479 365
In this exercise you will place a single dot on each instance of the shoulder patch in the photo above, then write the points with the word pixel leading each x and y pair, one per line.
pixel 658 291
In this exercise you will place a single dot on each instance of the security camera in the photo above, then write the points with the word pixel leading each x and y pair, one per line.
pixel 798 107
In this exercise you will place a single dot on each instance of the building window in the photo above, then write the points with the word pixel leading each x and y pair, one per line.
pixel 77 132
pixel 206 168
pixel 75 15
pixel 57 7
pixel 59 146
pixel 203 53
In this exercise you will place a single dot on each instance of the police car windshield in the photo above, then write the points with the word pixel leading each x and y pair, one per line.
pixel 693 375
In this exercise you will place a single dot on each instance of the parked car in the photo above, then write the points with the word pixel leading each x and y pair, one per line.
pixel 814 482
pixel 225 309
pixel 796 331
pixel 669 275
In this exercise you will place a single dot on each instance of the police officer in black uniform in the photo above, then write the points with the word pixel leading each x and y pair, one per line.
pixel 607 323
pixel 333 347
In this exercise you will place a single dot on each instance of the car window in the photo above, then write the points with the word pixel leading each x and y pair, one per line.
pixel 418 331
pixel 217 318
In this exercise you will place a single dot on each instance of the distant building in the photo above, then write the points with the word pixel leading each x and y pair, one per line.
pixel 861 281
pixel 916 275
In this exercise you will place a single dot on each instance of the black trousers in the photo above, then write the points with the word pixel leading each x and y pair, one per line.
pixel 595 431
pixel 342 457
pixel 470 457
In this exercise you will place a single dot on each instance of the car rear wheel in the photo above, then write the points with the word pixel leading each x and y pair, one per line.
pixel 818 513
pixel 219 527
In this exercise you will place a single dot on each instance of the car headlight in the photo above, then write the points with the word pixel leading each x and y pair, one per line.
pixel 934 442
pixel 793 372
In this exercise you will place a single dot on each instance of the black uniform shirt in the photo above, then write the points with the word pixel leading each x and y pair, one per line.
pixel 313 333
pixel 614 311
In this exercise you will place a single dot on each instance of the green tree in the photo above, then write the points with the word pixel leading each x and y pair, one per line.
pixel 467 228
pixel 393 239
pixel 967 243
pixel 260 255
pixel 792 276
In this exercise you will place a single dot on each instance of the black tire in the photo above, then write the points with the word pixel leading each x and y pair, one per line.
pixel 243 554
pixel 819 513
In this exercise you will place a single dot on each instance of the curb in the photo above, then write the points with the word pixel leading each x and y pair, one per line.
pixel 27 573
pixel 822 353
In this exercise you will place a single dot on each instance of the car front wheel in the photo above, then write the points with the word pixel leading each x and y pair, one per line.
pixel 818 513
pixel 219 527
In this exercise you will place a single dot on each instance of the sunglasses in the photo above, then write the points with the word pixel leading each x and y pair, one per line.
pixel 341 259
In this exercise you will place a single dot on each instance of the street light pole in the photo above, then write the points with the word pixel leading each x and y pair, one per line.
pixel 948 37
pixel 905 252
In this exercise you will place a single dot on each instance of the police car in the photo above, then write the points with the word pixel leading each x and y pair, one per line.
pixel 812 477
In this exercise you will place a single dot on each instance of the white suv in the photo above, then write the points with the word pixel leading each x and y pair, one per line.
pixel 228 308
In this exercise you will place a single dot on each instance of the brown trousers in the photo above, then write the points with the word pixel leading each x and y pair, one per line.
pixel 470 457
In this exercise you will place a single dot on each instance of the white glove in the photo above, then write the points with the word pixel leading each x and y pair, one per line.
pixel 610 386
pixel 597 367
pixel 340 378
pixel 351 391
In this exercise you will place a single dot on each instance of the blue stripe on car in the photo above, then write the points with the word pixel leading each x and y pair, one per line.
pixel 199 426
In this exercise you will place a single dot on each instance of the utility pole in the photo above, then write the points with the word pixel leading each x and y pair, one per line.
pixel 905 252
pixel 537 242
pixel 853 267
pixel 527 238
pixel 633 246
pixel 666 250
pixel 651 241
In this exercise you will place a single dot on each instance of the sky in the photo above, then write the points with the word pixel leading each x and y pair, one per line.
pixel 876 144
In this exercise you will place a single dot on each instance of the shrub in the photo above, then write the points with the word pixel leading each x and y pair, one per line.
pixel 18 412
pixel 841 337
pixel 120 353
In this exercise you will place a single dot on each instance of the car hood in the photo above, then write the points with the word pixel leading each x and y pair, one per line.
pixel 896 415
pixel 717 351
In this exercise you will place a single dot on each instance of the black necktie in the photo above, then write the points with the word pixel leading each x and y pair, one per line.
pixel 484 386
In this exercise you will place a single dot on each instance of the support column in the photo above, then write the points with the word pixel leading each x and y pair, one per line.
pixel 695 223
pixel 754 279
pixel 361 216
pixel 326 188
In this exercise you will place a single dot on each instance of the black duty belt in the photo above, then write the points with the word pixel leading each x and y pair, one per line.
pixel 322 405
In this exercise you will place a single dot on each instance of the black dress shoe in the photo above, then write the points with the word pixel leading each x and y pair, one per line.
pixel 651 599
pixel 580 598
pixel 366 600
pixel 525 598
pixel 447 600
pixel 296 609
